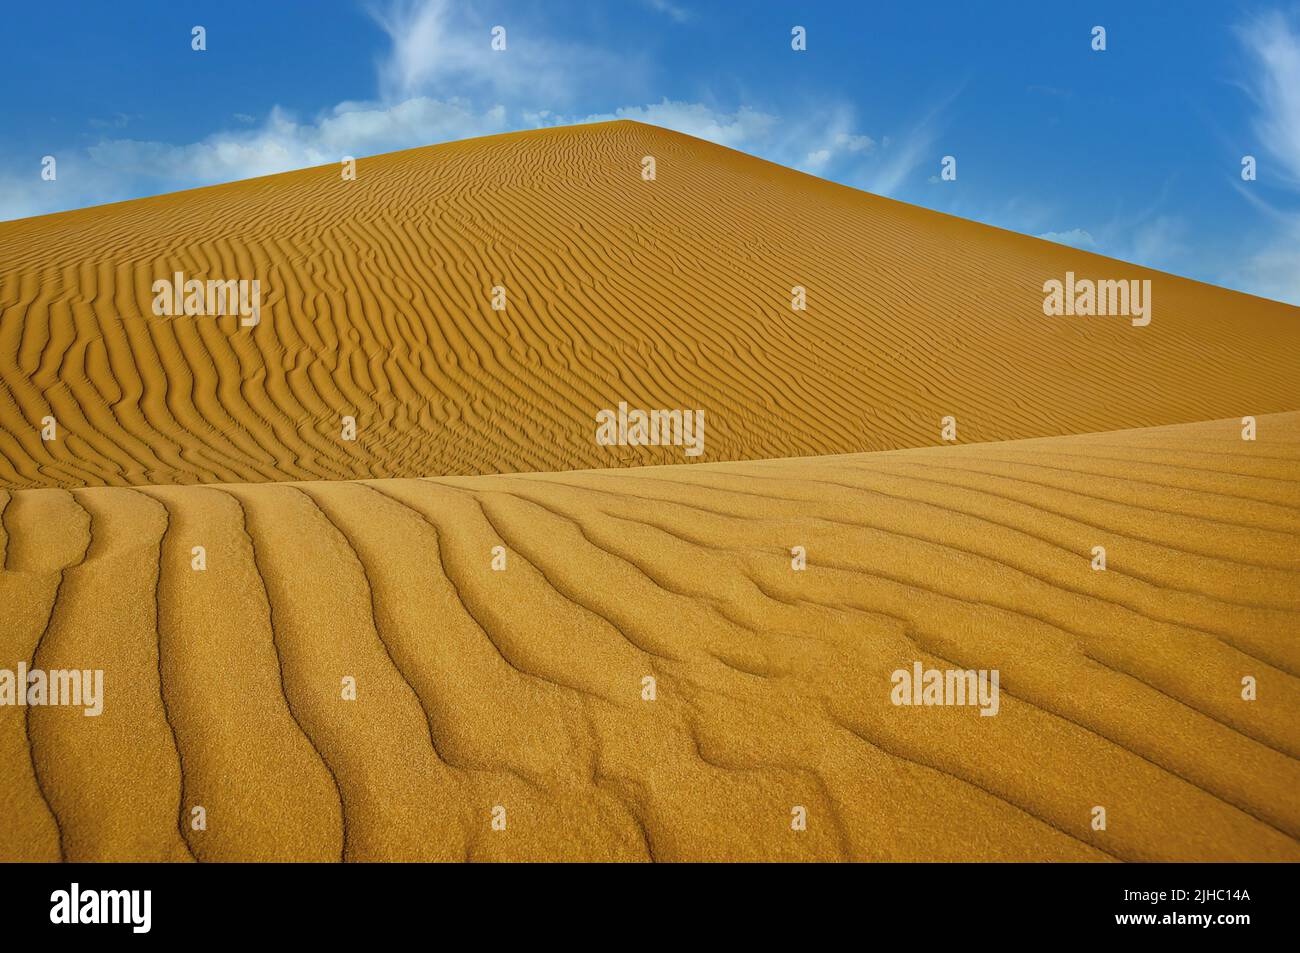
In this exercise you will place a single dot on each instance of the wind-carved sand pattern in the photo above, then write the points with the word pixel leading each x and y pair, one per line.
pixel 377 304
pixel 626 664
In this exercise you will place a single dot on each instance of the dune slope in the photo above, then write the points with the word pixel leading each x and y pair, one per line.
pixel 377 303
pixel 521 691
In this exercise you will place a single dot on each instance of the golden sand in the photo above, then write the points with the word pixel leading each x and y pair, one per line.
pixel 519 693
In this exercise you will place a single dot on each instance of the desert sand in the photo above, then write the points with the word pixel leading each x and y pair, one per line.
pixel 499 588
pixel 377 304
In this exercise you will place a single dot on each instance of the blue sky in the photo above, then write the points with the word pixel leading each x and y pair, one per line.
pixel 1133 152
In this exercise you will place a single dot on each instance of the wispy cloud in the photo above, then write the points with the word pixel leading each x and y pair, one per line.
pixel 1076 237
pixel 903 156
pixel 675 11
pixel 117 121
pixel 1272 270
pixel 737 129
pixel 438 47
pixel 1160 242
pixel 813 143
pixel 283 143
pixel 1272 44
pixel 1268 260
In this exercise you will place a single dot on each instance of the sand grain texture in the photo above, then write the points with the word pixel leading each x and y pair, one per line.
pixel 522 688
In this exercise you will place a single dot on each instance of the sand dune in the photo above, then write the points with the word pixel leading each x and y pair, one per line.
pixel 523 688
pixel 561 651
pixel 670 293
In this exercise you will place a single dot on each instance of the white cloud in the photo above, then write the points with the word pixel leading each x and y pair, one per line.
pixel 118 121
pixel 1272 270
pixel 437 48
pixel 115 169
pixel 1272 267
pixel 282 143
pixel 916 149
pixel 1159 243
pixel 1077 237
pixel 840 144
pixel 79 182
pixel 815 142
pixel 673 10
pixel 1274 47
pixel 737 130
pixel 1268 260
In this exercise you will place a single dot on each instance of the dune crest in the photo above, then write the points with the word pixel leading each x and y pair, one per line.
pixel 377 303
